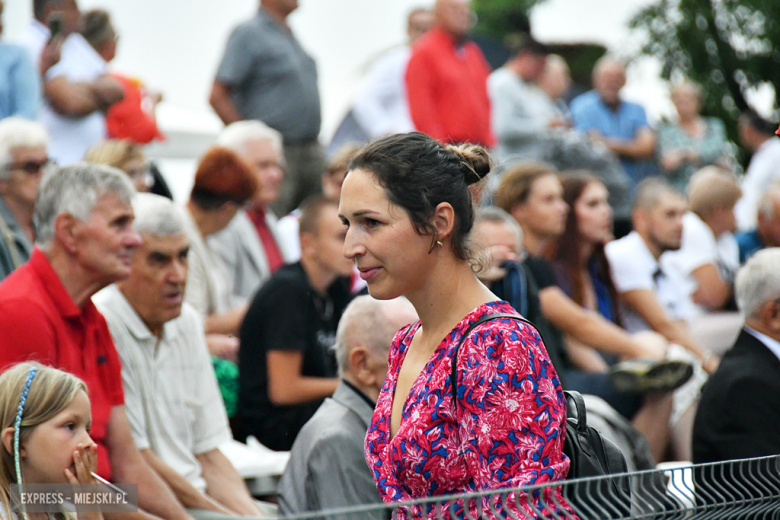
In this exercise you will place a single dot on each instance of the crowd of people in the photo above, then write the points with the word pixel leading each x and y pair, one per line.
pixel 339 305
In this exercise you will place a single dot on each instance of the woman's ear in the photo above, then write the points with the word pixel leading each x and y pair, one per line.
pixel 443 220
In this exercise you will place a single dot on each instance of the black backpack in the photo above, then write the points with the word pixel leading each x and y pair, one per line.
pixel 591 455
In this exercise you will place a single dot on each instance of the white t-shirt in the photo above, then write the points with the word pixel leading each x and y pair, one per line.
pixel 700 247
pixel 633 267
pixel 70 137
pixel 172 399
pixel 764 170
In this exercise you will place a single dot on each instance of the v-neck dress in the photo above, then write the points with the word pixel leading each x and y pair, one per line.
pixel 508 430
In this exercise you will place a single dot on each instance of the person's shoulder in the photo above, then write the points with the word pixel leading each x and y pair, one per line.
pixel 500 77
pixel 622 246
pixel 288 282
pixel 585 101
pixel 748 239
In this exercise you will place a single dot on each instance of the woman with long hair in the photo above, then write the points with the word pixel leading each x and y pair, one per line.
pixel 583 272
pixel 500 421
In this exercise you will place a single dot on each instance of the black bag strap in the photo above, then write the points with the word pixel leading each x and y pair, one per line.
pixel 578 413
pixel 480 321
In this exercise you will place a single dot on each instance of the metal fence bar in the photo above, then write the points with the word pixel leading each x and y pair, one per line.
pixel 742 490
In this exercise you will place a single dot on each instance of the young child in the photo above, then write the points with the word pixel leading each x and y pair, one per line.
pixel 45 418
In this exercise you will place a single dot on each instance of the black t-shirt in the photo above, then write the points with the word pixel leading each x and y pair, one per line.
pixel 286 314
pixel 542 271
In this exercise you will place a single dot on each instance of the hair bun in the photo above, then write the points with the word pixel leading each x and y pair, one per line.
pixel 474 159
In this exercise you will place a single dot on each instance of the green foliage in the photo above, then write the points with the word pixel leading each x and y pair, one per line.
pixel 498 18
pixel 728 46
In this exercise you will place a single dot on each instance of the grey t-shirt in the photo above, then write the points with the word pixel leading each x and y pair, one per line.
pixel 271 78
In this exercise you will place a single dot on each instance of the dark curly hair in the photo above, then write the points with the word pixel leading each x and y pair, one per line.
pixel 418 173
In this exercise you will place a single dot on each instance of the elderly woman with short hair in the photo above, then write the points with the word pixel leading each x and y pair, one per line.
pixel 692 141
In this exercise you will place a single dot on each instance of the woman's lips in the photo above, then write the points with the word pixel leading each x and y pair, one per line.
pixel 367 274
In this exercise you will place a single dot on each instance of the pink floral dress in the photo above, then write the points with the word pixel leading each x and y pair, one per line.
pixel 508 430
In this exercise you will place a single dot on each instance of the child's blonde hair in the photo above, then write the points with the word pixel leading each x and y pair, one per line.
pixel 50 392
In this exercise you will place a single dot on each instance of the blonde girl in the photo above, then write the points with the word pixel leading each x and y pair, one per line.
pixel 45 418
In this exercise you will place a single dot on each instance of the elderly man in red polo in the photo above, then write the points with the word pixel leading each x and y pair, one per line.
pixel 85 242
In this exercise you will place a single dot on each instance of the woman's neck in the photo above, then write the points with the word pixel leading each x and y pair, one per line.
pixel 586 251
pixel 450 292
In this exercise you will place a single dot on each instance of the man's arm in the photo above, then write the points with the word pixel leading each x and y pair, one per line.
pixel 129 466
pixel 227 322
pixel 644 302
pixel 712 292
pixel 82 99
pixel 225 485
pixel 590 328
pixel 221 103
pixel 187 494
pixel 642 146
pixel 286 385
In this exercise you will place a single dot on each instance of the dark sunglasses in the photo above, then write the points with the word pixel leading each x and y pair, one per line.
pixel 30 167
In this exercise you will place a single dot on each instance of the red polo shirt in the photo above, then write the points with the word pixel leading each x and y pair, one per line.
pixel 40 322
pixel 447 89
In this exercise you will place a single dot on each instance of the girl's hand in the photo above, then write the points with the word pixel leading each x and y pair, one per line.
pixel 84 463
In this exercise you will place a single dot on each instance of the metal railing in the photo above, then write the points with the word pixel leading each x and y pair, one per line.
pixel 743 489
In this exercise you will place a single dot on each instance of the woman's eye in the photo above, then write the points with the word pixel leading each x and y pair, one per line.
pixel 372 223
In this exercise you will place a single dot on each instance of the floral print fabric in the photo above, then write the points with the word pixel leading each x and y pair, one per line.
pixel 508 429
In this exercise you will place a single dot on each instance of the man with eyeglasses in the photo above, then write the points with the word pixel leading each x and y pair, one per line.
pixel 23 158
pixel 250 248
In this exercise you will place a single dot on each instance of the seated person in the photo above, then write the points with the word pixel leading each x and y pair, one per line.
pixel 767 233
pixel 692 141
pixel 23 159
pixel 126 156
pixel 85 242
pixel 533 195
pixel 620 125
pixel 652 296
pixel 223 184
pixel 708 257
pixel 327 467
pixel 286 367
pixel 757 136
pixel 250 248
pixel 739 412
pixel 176 415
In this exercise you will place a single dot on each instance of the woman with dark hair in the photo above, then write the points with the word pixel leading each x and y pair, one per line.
pixel 583 272
pixel 407 202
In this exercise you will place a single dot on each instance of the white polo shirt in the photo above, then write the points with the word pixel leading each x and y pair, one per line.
pixel 633 267
pixel 700 247
pixel 171 394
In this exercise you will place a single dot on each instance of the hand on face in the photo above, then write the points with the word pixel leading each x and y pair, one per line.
pixel 84 464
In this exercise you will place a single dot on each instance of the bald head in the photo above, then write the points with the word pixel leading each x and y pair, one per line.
pixel 454 16
pixel 370 324
pixel 609 78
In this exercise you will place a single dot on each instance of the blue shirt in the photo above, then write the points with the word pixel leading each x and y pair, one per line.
pixel 749 243
pixel 590 113
pixel 20 89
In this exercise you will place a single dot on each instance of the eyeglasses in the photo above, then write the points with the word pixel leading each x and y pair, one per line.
pixel 30 167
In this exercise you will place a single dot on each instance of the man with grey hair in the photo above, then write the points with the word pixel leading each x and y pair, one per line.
pixel 739 412
pixel 327 467
pixel 85 242
pixel 23 158
pixel 175 411
pixel 250 248
pixel 620 125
